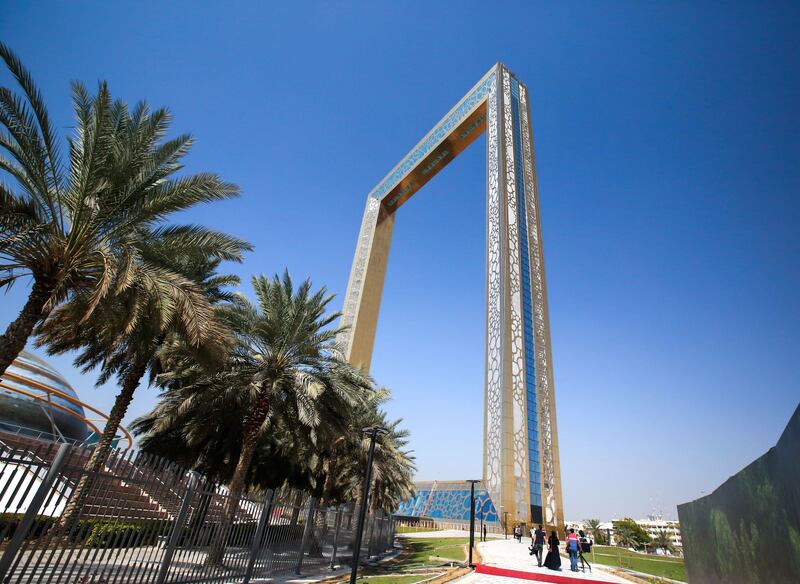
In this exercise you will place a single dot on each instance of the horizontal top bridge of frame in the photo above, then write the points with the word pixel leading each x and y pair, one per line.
pixel 454 132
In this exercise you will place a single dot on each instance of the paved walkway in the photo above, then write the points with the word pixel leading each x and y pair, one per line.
pixel 510 555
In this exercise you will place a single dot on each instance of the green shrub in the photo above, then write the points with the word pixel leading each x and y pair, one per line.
pixel 106 535
pixel 10 521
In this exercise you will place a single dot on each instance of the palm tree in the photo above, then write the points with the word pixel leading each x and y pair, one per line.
pixel 126 332
pixel 205 435
pixel 77 225
pixel 392 467
pixel 341 456
pixel 626 537
pixel 201 427
pixel 285 357
pixel 287 353
pixel 594 529
pixel 663 540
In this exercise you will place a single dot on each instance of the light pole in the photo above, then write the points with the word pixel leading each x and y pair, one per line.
pixel 373 432
pixel 471 518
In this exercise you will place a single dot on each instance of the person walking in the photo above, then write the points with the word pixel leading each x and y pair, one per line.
pixel 572 549
pixel 553 560
pixel 537 543
pixel 484 532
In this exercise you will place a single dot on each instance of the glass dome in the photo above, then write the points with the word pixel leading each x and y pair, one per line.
pixel 34 400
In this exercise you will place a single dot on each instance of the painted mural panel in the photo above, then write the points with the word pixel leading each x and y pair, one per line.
pixel 748 530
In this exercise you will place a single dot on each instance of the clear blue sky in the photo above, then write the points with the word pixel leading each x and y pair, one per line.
pixel 668 139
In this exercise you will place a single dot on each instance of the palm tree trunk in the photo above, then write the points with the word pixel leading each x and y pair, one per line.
pixel 103 447
pixel 18 332
pixel 298 501
pixel 330 478
pixel 237 483
pixel 320 516
pixel 373 502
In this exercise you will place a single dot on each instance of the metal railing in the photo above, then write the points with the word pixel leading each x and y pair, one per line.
pixel 142 519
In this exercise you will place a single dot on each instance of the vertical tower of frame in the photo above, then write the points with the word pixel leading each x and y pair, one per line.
pixel 521 464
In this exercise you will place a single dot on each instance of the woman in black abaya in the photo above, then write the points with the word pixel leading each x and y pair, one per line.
pixel 553 560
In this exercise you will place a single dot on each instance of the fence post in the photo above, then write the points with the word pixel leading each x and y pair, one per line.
pixel 262 525
pixel 306 532
pixel 376 547
pixel 30 514
pixel 177 528
pixel 371 533
pixel 338 523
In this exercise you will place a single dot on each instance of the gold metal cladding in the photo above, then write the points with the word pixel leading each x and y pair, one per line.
pixel 453 145
pixel 486 107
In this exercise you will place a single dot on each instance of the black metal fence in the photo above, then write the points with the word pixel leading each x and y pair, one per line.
pixel 142 519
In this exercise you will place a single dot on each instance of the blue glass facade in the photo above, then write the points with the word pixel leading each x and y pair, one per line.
pixel 527 309
pixel 448 503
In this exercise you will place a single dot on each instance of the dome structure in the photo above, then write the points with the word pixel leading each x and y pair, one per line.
pixel 37 401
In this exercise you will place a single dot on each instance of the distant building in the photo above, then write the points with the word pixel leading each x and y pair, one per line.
pixel 652 525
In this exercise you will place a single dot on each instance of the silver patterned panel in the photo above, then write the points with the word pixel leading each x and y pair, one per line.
pixel 544 388
pixel 519 410
pixel 494 307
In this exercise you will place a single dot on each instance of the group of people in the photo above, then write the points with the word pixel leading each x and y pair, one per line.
pixel 576 544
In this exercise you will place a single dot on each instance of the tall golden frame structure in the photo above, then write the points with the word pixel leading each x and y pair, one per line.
pixel 520 455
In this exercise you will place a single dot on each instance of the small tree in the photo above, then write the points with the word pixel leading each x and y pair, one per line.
pixel 625 536
pixel 628 533
pixel 663 540
pixel 595 531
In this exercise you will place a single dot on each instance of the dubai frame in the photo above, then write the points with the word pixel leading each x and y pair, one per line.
pixel 520 454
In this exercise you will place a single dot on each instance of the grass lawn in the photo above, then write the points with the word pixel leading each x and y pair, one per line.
pixel 660 566
pixel 420 549
pixel 444 547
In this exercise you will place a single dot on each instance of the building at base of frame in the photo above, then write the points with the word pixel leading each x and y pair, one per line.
pixel 448 502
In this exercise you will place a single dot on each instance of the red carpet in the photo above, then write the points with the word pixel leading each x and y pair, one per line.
pixel 556 578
